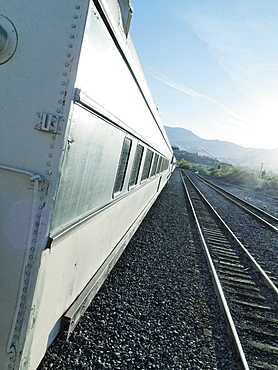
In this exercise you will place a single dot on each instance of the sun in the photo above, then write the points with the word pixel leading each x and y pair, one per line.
pixel 263 128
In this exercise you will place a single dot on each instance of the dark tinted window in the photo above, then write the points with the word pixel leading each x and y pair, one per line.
pixel 154 166
pixel 136 166
pixel 158 165
pixel 147 165
pixel 164 164
pixel 120 177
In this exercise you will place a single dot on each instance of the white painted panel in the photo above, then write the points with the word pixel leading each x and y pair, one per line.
pixel 76 256
pixel 105 78
pixel 39 77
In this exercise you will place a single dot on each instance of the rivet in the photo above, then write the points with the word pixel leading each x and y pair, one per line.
pixel 41 198
pixel 60 101
pixel 63 83
pixel 48 164
pixel 32 249
pixel 77 6
pixel 62 92
pixel 50 155
pixel 30 257
pixel 23 296
pixel 65 73
pixel 72 36
pixel 51 146
pixel 70 45
pixel 24 290
pixel 29 265
pixel 68 55
pixel 58 111
pixel 37 224
pixel 36 231
pixel 39 216
pixel 34 240
pixel 53 137
pixel 73 25
pixel 46 172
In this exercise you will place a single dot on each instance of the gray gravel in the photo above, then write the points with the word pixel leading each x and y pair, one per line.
pixel 266 203
pixel 157 308
pixel 261 242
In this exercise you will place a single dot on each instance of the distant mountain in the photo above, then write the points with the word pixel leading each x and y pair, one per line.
pixel 224 151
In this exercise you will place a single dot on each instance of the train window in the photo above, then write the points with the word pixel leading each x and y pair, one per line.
pixel 158 165
pixel 162 165
pixel 147 165
pixel 120 177
pixel 136 166
pixel 165 164
pixel 154 166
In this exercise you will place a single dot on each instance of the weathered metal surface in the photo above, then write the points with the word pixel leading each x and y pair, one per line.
pixel 38 76
pixel 70 93
pixel 8 39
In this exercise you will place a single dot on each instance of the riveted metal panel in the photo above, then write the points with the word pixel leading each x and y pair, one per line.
pixel 37 77
pixel 60 153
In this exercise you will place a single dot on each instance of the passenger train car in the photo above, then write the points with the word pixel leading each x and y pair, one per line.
pixel 83 156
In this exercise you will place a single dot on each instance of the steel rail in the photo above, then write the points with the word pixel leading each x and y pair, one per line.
pixel 265 277
pixel 219 290
pixel 242 203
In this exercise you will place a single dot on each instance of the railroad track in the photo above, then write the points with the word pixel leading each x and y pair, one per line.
pixel 246 294
pixel 266 218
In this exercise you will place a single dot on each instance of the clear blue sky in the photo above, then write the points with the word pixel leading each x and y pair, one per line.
pixel 212 66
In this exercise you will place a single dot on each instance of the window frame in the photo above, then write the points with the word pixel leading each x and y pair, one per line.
pixel 136 166
pixel 122 166
pixel 154 165
pixel 147 165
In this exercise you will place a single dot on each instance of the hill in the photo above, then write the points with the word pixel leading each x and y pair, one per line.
pixel 224 151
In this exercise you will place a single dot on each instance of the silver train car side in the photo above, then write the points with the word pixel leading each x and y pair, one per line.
pixel 83 157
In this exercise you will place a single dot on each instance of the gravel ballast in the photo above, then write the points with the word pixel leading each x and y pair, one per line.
pixel 261 242
pixel 266 203
pixel 157 308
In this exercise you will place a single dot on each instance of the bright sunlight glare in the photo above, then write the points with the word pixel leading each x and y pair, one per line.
pixel 264 120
